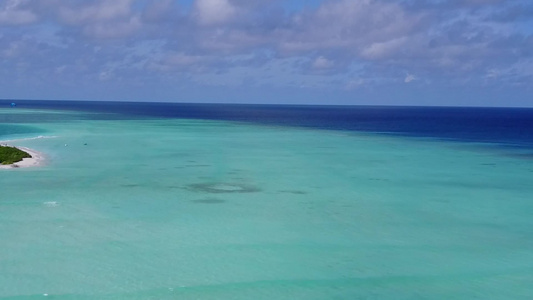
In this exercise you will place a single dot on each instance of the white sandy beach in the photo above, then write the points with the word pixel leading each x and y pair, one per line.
pixel 37 159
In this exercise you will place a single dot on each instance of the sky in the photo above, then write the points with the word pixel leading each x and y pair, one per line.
pixel 343 52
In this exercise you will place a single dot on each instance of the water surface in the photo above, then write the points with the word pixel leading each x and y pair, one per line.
pixel 141 206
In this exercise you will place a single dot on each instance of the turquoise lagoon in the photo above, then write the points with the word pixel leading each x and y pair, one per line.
pixel 200 209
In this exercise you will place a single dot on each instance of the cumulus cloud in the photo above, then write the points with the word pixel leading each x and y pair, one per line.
pixel 354 83
pixel 14 12
pixel 159 11
pixel 409 78
pixel 212 12
pixel 96 11
pixel 102 19
pixel 182 62
pixel 349 25
pixel 512 13
pixel 373 41
pixel 380 50
pixel 322 63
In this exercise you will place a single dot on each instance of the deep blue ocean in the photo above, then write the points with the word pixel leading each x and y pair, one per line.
pixel 502 127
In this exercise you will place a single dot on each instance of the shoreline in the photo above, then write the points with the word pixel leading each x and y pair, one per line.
pixel 36 160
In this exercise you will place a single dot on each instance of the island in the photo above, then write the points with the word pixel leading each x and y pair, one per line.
pixel 10 155
pixel 13 157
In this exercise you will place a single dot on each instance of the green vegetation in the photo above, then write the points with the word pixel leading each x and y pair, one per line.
pixel 10 155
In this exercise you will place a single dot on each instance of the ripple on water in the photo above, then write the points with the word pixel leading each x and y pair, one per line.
pixel 209 201
pixel 221 187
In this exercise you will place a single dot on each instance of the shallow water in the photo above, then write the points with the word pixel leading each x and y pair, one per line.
pixel 206 209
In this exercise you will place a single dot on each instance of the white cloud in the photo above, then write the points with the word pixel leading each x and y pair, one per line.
pixel 354 83
pixel 115 29
pixel 105 75
pixel 159 11
pixel 184 59
pixel 322 63
pixel 318 44
pixel 11 13
pixel 409 78
pixel 102 19
pixel 96 11
pixel 11 50
pixel 350 25
pixel 181 62
pixel 385 49
pixel 212 12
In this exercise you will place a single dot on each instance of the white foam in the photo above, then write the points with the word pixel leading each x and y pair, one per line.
pixel 30 138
